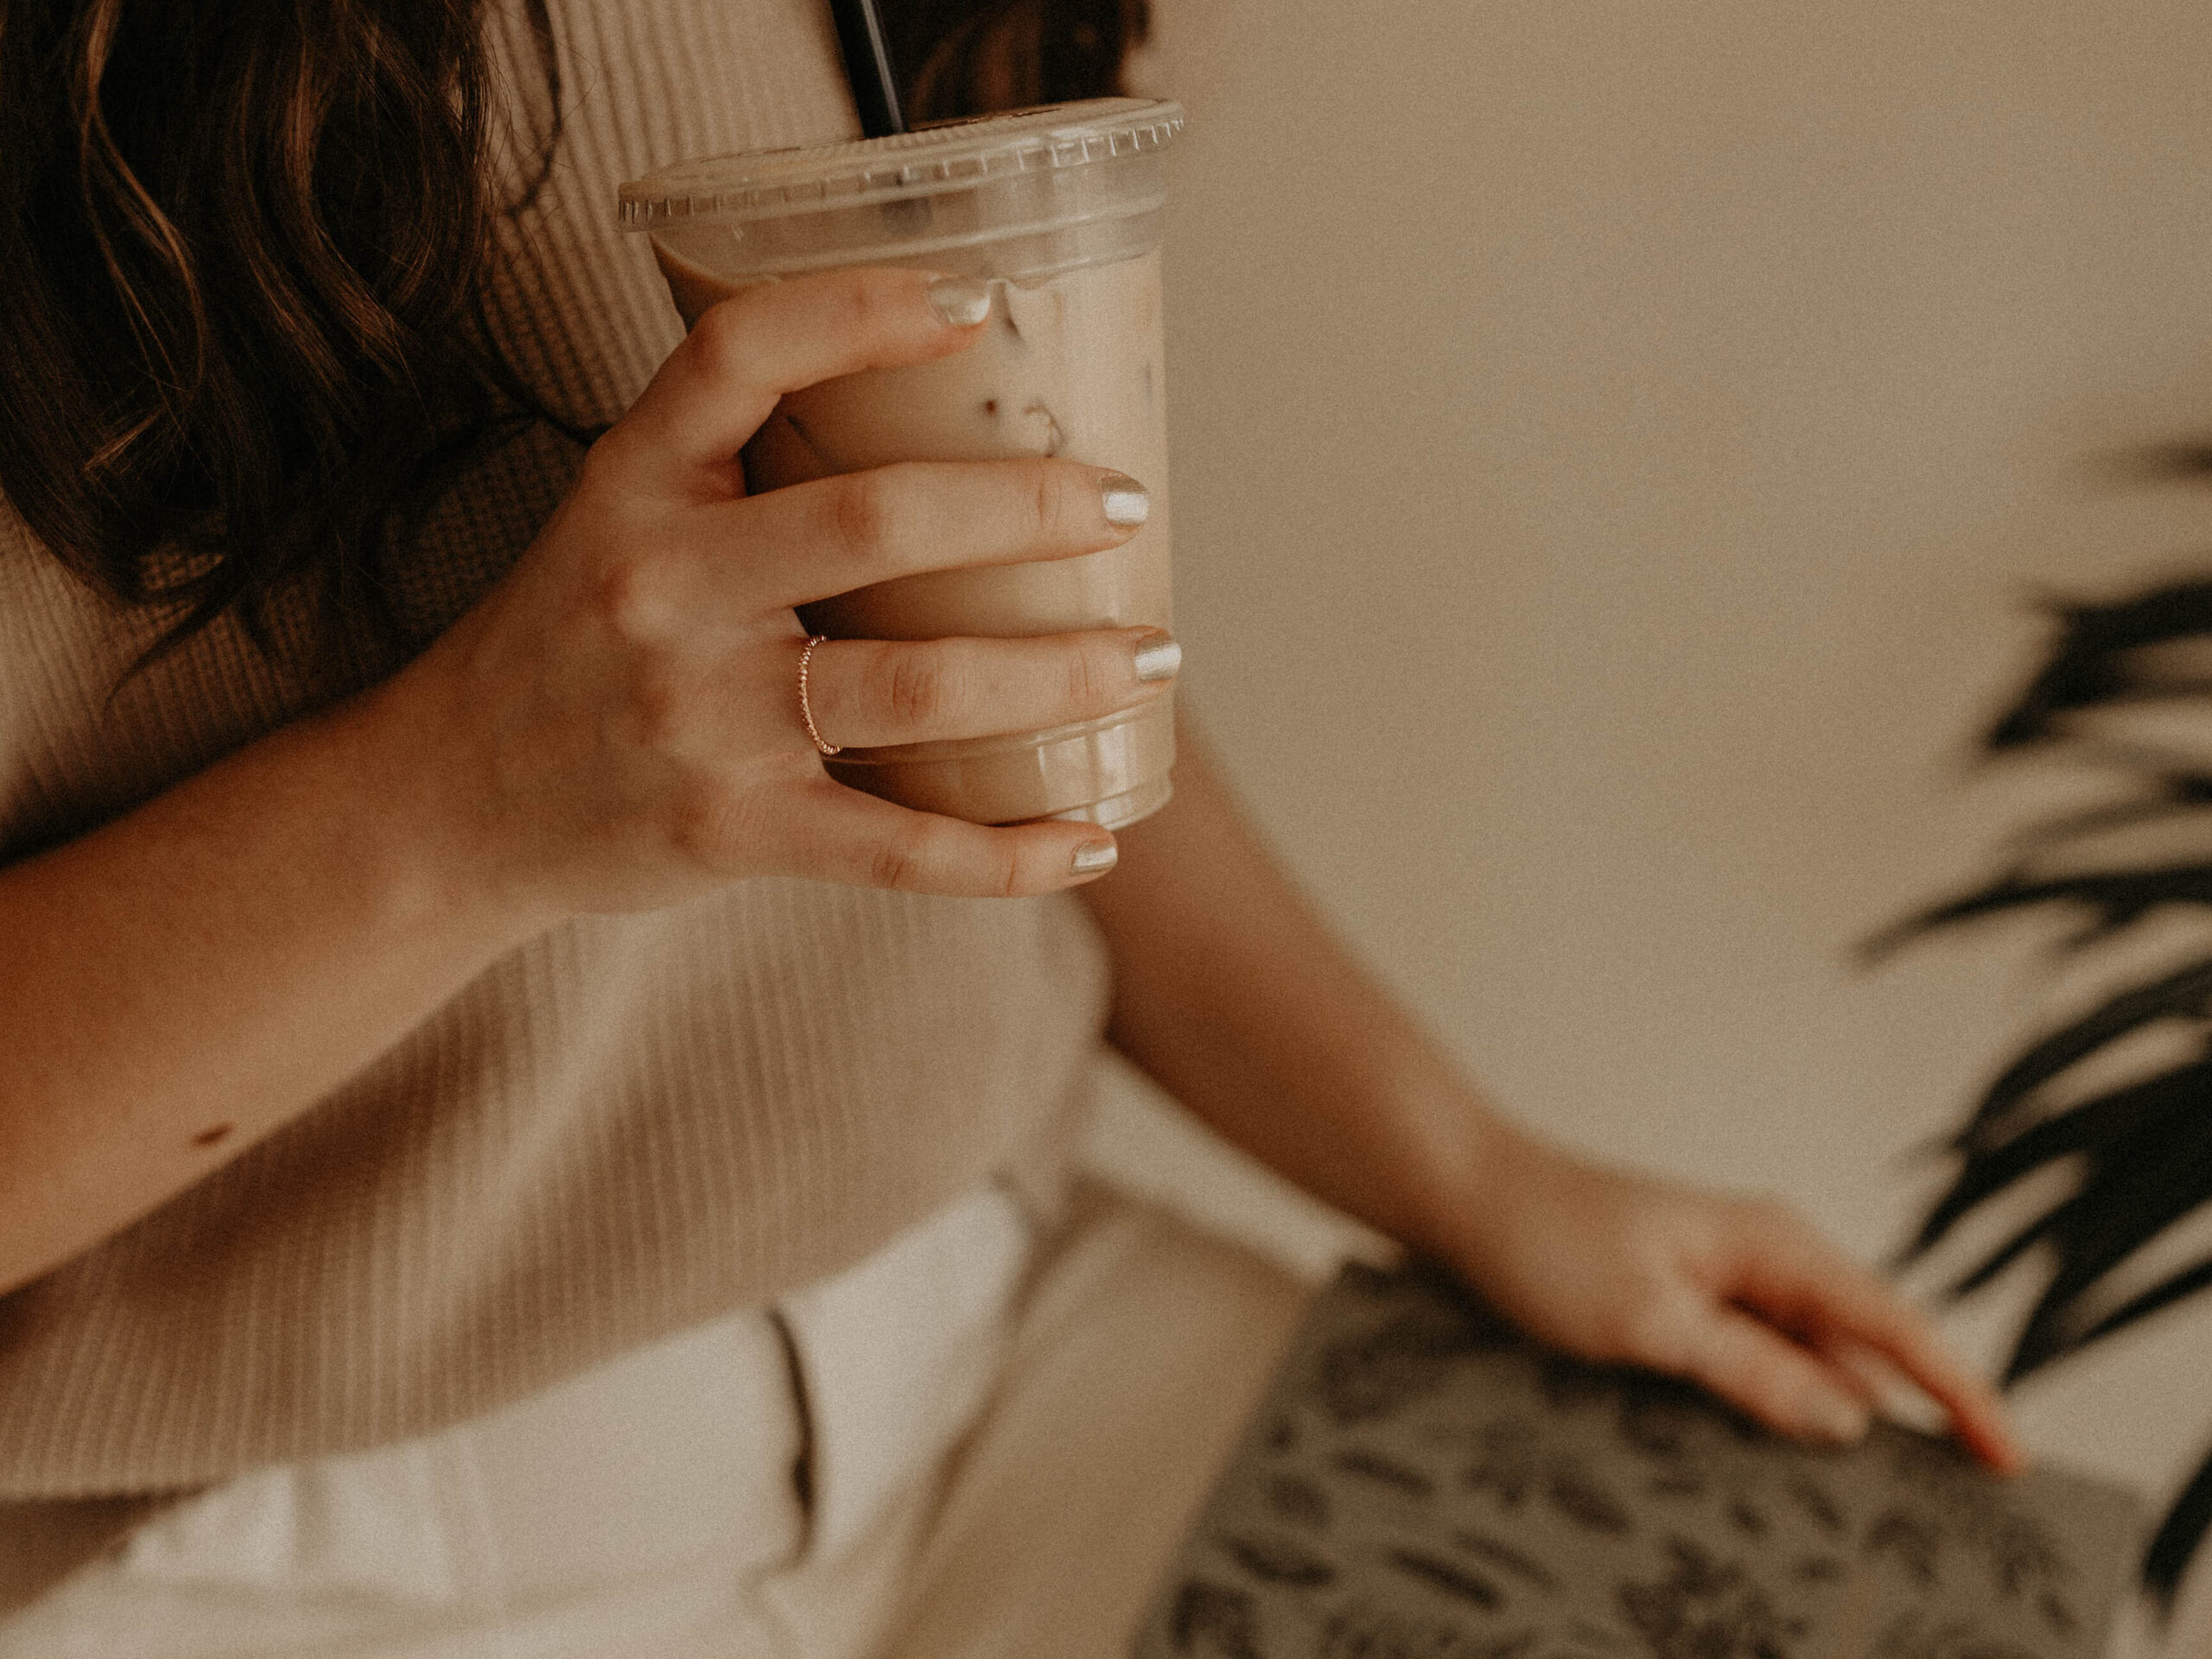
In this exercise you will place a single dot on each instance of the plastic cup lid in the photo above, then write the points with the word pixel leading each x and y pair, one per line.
pixel 955 156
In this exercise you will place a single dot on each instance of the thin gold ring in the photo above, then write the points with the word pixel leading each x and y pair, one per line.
pixel 805 710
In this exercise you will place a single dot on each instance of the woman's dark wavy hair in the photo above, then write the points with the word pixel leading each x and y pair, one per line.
pixel 242 245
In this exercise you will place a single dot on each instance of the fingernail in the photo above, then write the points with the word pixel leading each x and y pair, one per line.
pixel 1093 856
pixel 1159 658
pixel 960 301
pixel 1128 502
pixel 1836 1418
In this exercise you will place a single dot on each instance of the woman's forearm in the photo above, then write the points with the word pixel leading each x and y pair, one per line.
pixel 1233 995
pixel 183 981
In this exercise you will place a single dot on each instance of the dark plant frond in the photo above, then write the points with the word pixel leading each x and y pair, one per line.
pixel 2178 1535
pixel 2116 900
pixel 2141 1151
pixel 2129 1198
pixel 2096 1128
pixel 2146 1158
pixel 2173 1288
pixel 2142 761
pixel 1986 1271
pixel 2185 994
pixel 2173 795
pixel 2091 664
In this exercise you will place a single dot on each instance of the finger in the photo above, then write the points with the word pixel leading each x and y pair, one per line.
pixel 841 533
pixel 1895 1396
pixel 719 385
pixel 837 834
pixel 1807 1287
pixel 1756 1368
pixel 867 692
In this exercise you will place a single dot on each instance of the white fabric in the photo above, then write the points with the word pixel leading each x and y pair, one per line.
pixel 899 1353
pixel 645 1511
pixel 640 1511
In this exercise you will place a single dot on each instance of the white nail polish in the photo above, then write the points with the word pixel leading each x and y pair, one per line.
pixel 1093 856
pixel 1159 658
pixel 1128 503
pixel 960 301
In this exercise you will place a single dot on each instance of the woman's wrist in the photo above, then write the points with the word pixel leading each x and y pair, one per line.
pixel 1463 1186
pixel 444 859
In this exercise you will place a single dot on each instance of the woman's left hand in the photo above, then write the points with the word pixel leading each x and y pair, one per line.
pixel 1737 1294
pixel 1238 1000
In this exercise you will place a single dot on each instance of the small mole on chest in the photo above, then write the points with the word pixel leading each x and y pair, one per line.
pixel 211 1137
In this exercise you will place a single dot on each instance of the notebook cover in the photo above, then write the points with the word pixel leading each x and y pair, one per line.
pixel 1423 1483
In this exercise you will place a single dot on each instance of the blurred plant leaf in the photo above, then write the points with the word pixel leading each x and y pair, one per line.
pixel 2094 662
pixel 2175 791
pixel 2123 1118
pixel 2187 1282
pixel 2132 1194
pixel 2141 1151
pixel 2178 1537
pixel 2117 899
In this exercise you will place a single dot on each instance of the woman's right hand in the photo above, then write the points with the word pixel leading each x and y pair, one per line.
pixel 617 726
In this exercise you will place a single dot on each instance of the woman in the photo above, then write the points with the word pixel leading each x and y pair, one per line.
pixel 482 1111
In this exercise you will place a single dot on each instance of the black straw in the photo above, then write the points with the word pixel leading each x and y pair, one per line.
pixel 867 68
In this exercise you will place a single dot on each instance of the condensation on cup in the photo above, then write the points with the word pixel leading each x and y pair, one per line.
pixel 1059 209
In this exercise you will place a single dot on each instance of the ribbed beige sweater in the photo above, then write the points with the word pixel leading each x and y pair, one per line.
pixel 630 1125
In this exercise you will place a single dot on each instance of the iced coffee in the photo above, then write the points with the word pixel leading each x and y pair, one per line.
pixel 1059 210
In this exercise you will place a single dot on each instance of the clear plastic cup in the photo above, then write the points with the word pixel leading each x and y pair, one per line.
pixel 1059 209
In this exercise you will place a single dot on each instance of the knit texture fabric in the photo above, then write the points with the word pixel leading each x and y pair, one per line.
pixel 632 1123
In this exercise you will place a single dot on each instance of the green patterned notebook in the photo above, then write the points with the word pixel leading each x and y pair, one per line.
pixel 1422 1482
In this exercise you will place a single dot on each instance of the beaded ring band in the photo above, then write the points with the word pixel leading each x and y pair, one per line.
pixel 805 710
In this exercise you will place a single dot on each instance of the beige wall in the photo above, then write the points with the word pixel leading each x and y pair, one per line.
pixel 1614 442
